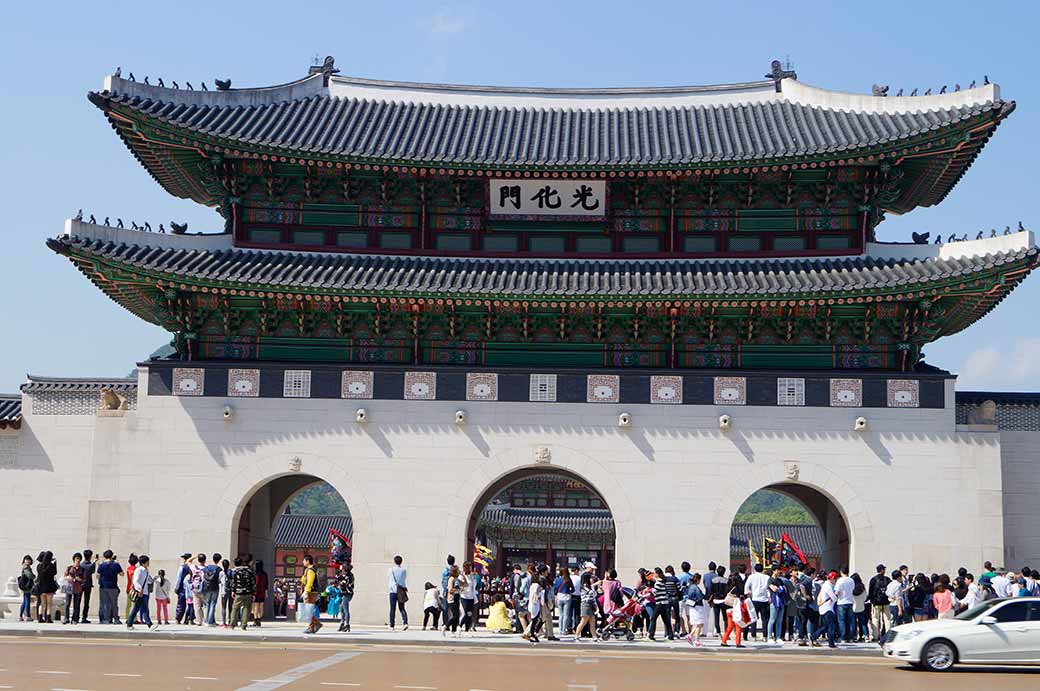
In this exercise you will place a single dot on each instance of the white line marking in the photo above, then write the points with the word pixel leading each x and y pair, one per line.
pixel 4 686
pixel 120 674
pixel 586 661
pixel 70 689
pixel 203 678
pixel 575 687
pixel 420 688
pixel 297 673
pixel 50 671
pixel 345 683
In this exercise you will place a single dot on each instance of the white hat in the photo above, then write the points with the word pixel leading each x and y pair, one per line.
pixel 588 565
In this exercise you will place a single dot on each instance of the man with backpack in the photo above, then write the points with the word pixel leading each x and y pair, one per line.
pixel 243 587
pixel 211 589
pixel 880 611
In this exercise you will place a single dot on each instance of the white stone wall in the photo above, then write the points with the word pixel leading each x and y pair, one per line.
pixel 174 476
pixel 1020 454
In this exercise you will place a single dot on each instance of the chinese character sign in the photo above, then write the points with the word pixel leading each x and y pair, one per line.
pixel 556 198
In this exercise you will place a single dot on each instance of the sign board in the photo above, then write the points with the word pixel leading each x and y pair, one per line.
pixel 551 199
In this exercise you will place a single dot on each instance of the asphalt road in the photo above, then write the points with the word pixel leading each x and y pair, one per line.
pixel 96 665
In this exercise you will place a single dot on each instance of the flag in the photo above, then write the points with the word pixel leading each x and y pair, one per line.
pixel 768 550
pixel 755 559
pixel 340 548
pixel 482 558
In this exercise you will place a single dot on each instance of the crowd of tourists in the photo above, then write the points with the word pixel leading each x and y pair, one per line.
pixel 793 603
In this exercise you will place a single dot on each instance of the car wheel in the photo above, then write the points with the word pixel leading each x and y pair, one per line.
pixel 938 656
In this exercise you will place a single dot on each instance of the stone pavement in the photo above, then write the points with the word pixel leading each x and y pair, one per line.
pixel 282 631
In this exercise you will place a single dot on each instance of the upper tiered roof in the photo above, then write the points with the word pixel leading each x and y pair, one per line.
pixel 335 120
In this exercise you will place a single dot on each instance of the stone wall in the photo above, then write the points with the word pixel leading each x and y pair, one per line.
pixel 174 476
pixel 1020 463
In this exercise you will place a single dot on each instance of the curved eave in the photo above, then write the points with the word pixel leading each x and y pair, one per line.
pixel 160 141
pixel 135 276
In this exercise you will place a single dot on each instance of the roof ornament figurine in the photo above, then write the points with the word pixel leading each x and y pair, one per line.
pixel 778 72
pixel 1021 228
pixel 877 90
pixel 119 223
pixel 178 228
pixel 222 84
pixel 328 68
pixel 92 220
pixel 107 222
pixel 928 91
pixel 938 239
pixel 133 225
pixel 914 92
pixel 979 236
pixel 920 238
pixel 952 238
pixel 943 89
pixel 189 86
pixel 972 85
pixel 204 87
pixel 132 77
pixel 78 216
pixel 146 79
pixel 993 232
pixel 175 85
pixel 1007 230
pixel 161 83
pixel 956 87
pixel 985 79
pixel 147 227
pixel 899 93
pixel 118 73
pixel 161 229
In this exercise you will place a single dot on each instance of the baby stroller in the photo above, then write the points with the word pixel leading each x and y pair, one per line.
pixel 619 623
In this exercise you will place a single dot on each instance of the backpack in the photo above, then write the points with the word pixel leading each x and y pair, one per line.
pixel 210 579
pixel 798 596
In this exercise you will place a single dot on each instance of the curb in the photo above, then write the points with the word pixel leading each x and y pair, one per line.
pixel 327 639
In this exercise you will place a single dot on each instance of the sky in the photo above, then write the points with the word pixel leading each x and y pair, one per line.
pixel 60 155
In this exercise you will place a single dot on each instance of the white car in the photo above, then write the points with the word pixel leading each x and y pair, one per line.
pixel 1004 631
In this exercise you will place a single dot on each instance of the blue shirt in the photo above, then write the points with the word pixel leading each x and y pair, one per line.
pixel 108 574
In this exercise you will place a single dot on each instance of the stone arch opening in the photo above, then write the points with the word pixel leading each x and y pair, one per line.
pixel 543 515
pixel 265 527
pixel 812 519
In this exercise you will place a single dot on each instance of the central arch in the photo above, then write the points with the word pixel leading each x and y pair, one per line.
pixel 542 514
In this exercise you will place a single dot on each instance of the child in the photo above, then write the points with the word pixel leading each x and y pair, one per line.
pixel 431 605
pixel 162 599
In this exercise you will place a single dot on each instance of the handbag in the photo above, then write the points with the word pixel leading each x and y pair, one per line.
pixel 401 592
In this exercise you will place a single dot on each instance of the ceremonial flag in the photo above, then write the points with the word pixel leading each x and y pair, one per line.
pixel 482 558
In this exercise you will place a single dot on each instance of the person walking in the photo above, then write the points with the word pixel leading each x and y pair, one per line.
pixel 827 600
pixel 695 609
pixel 243 585
pixel 211 589
pixel 90 562
pixel 131 566
pixel 535 603
pixel 545 590
pixel 345 585
pixel 449 562
pixel 309 586
pixel 757 589
pixel 260 595
pixel 843 588
pixel 880 604
pixel 717 599
pixel 47 585
pixel 452 595
pixel 397 584
pixel 662 607
pixel 198 596
pixel 183 596
pixel 108 588
pixel 26 584
pixel 74 589
pixel 739 611
pixel 563 588
pixel 162 598
pixel 226 597
pixel 468 596
pixel 943 601
pixel 140 589
pixel 588 607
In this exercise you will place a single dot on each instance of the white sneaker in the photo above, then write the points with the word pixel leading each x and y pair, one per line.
pixel 405 628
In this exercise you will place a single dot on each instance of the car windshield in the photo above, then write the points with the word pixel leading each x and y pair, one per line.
pixel 975 611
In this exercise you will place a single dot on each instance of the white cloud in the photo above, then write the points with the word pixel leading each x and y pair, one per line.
pixel 446 23
pixel 1014 367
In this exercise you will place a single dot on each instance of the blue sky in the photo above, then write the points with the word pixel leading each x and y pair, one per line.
pixel 59 153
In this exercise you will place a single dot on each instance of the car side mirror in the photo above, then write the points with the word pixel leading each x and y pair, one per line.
pixel 988 621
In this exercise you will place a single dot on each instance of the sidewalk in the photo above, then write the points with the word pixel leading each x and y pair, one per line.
pixel 292 632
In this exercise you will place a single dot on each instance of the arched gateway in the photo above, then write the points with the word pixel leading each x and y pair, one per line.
pixel 420 314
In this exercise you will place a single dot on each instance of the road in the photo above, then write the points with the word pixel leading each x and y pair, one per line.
pixel 103 665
